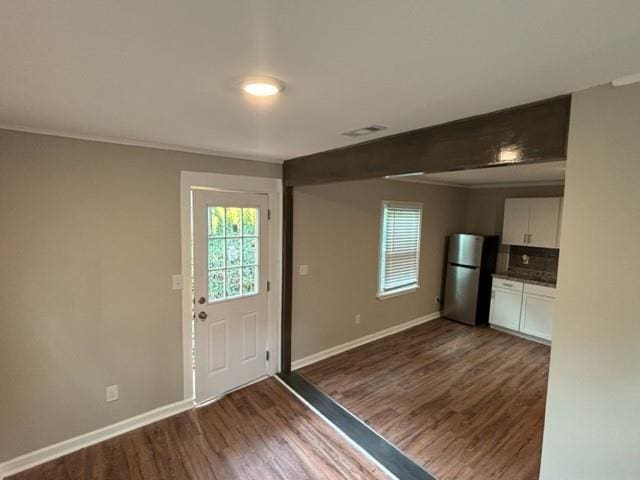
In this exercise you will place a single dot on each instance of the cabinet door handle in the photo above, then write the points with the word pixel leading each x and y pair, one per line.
pixel 524 238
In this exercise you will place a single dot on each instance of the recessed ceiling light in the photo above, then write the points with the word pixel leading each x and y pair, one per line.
pixel 262 86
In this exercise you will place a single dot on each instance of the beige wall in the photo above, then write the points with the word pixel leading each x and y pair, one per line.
pixel 336 232
pixel 592 427
pixel 89 239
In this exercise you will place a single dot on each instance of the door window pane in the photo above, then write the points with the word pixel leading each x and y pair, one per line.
pixel 233 282
pixel 216 253
pixel 249 221
pixel 234 252
pixel 249 252
pixel 216 285
pixel 234 222
pixel 216 222
pixel 233 246
pixel 249 280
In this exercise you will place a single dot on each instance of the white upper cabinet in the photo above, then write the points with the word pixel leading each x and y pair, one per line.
pixel 544 221
pixel 533 222
pixel 515 227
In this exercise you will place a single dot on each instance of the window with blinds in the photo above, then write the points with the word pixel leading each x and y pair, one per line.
pixel 399 247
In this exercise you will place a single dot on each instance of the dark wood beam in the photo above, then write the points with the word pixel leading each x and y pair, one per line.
pixel 535 132
pixel 287 280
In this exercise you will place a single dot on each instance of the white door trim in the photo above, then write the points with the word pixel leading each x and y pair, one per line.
pixel 231 183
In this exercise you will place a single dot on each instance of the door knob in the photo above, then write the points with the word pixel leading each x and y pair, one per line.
pixel 202 300
pixel 202 315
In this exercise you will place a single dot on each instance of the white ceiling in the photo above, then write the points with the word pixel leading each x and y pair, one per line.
pixel 512 175
pixel 166 71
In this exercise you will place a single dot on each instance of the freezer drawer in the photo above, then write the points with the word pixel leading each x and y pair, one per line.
pixel 461 293
pixel 465 249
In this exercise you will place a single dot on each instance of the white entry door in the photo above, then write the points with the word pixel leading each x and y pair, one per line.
pixel 230 232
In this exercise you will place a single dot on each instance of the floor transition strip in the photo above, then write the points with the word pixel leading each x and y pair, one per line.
pixel 359 432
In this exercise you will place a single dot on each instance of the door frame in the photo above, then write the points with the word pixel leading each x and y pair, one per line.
pixel 240 184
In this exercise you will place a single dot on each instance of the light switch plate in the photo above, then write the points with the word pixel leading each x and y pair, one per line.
pixel 112 393
pixel 304 269
pixel 176 282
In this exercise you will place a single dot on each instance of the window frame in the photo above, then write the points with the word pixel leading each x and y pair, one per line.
pixel 404 290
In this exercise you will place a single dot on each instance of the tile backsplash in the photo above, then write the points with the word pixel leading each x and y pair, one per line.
pixel 543 263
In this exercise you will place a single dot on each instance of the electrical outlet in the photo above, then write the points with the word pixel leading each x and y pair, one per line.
pixel 304 269
pixel 357 319
pixel 176 282
pixel 112 393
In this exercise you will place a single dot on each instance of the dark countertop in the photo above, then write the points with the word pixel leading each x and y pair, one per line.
pixel 510 276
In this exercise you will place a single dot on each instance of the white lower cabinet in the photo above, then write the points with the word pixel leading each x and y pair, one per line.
pixel 523 308
pixel 537 315
pixel 505 308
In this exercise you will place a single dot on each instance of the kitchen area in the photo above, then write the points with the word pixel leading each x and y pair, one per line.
pixel 523 294
pixel 502 271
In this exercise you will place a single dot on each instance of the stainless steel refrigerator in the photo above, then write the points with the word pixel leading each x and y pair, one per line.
pixel 471 259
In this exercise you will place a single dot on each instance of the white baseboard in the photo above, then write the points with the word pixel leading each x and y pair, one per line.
pixel 37 457
pixel 330 352
pixel 522 335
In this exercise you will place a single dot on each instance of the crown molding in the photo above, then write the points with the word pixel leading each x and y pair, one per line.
pixel 140 143
pixel 550 183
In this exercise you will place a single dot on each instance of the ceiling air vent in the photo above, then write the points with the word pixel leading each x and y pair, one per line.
pixel 364 131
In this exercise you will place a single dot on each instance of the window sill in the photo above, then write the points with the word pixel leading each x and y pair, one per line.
pixel 397 293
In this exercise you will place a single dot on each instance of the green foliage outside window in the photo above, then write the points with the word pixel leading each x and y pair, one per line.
pixel 232 252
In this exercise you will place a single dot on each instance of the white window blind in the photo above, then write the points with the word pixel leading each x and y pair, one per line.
pixel 399 247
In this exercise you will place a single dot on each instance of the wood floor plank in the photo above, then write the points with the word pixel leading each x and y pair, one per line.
pixel 466 403
pixel 261 432
pixel 396 462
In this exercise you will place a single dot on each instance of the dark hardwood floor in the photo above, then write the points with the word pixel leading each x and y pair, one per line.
pixel 466 403
pixel 260 432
